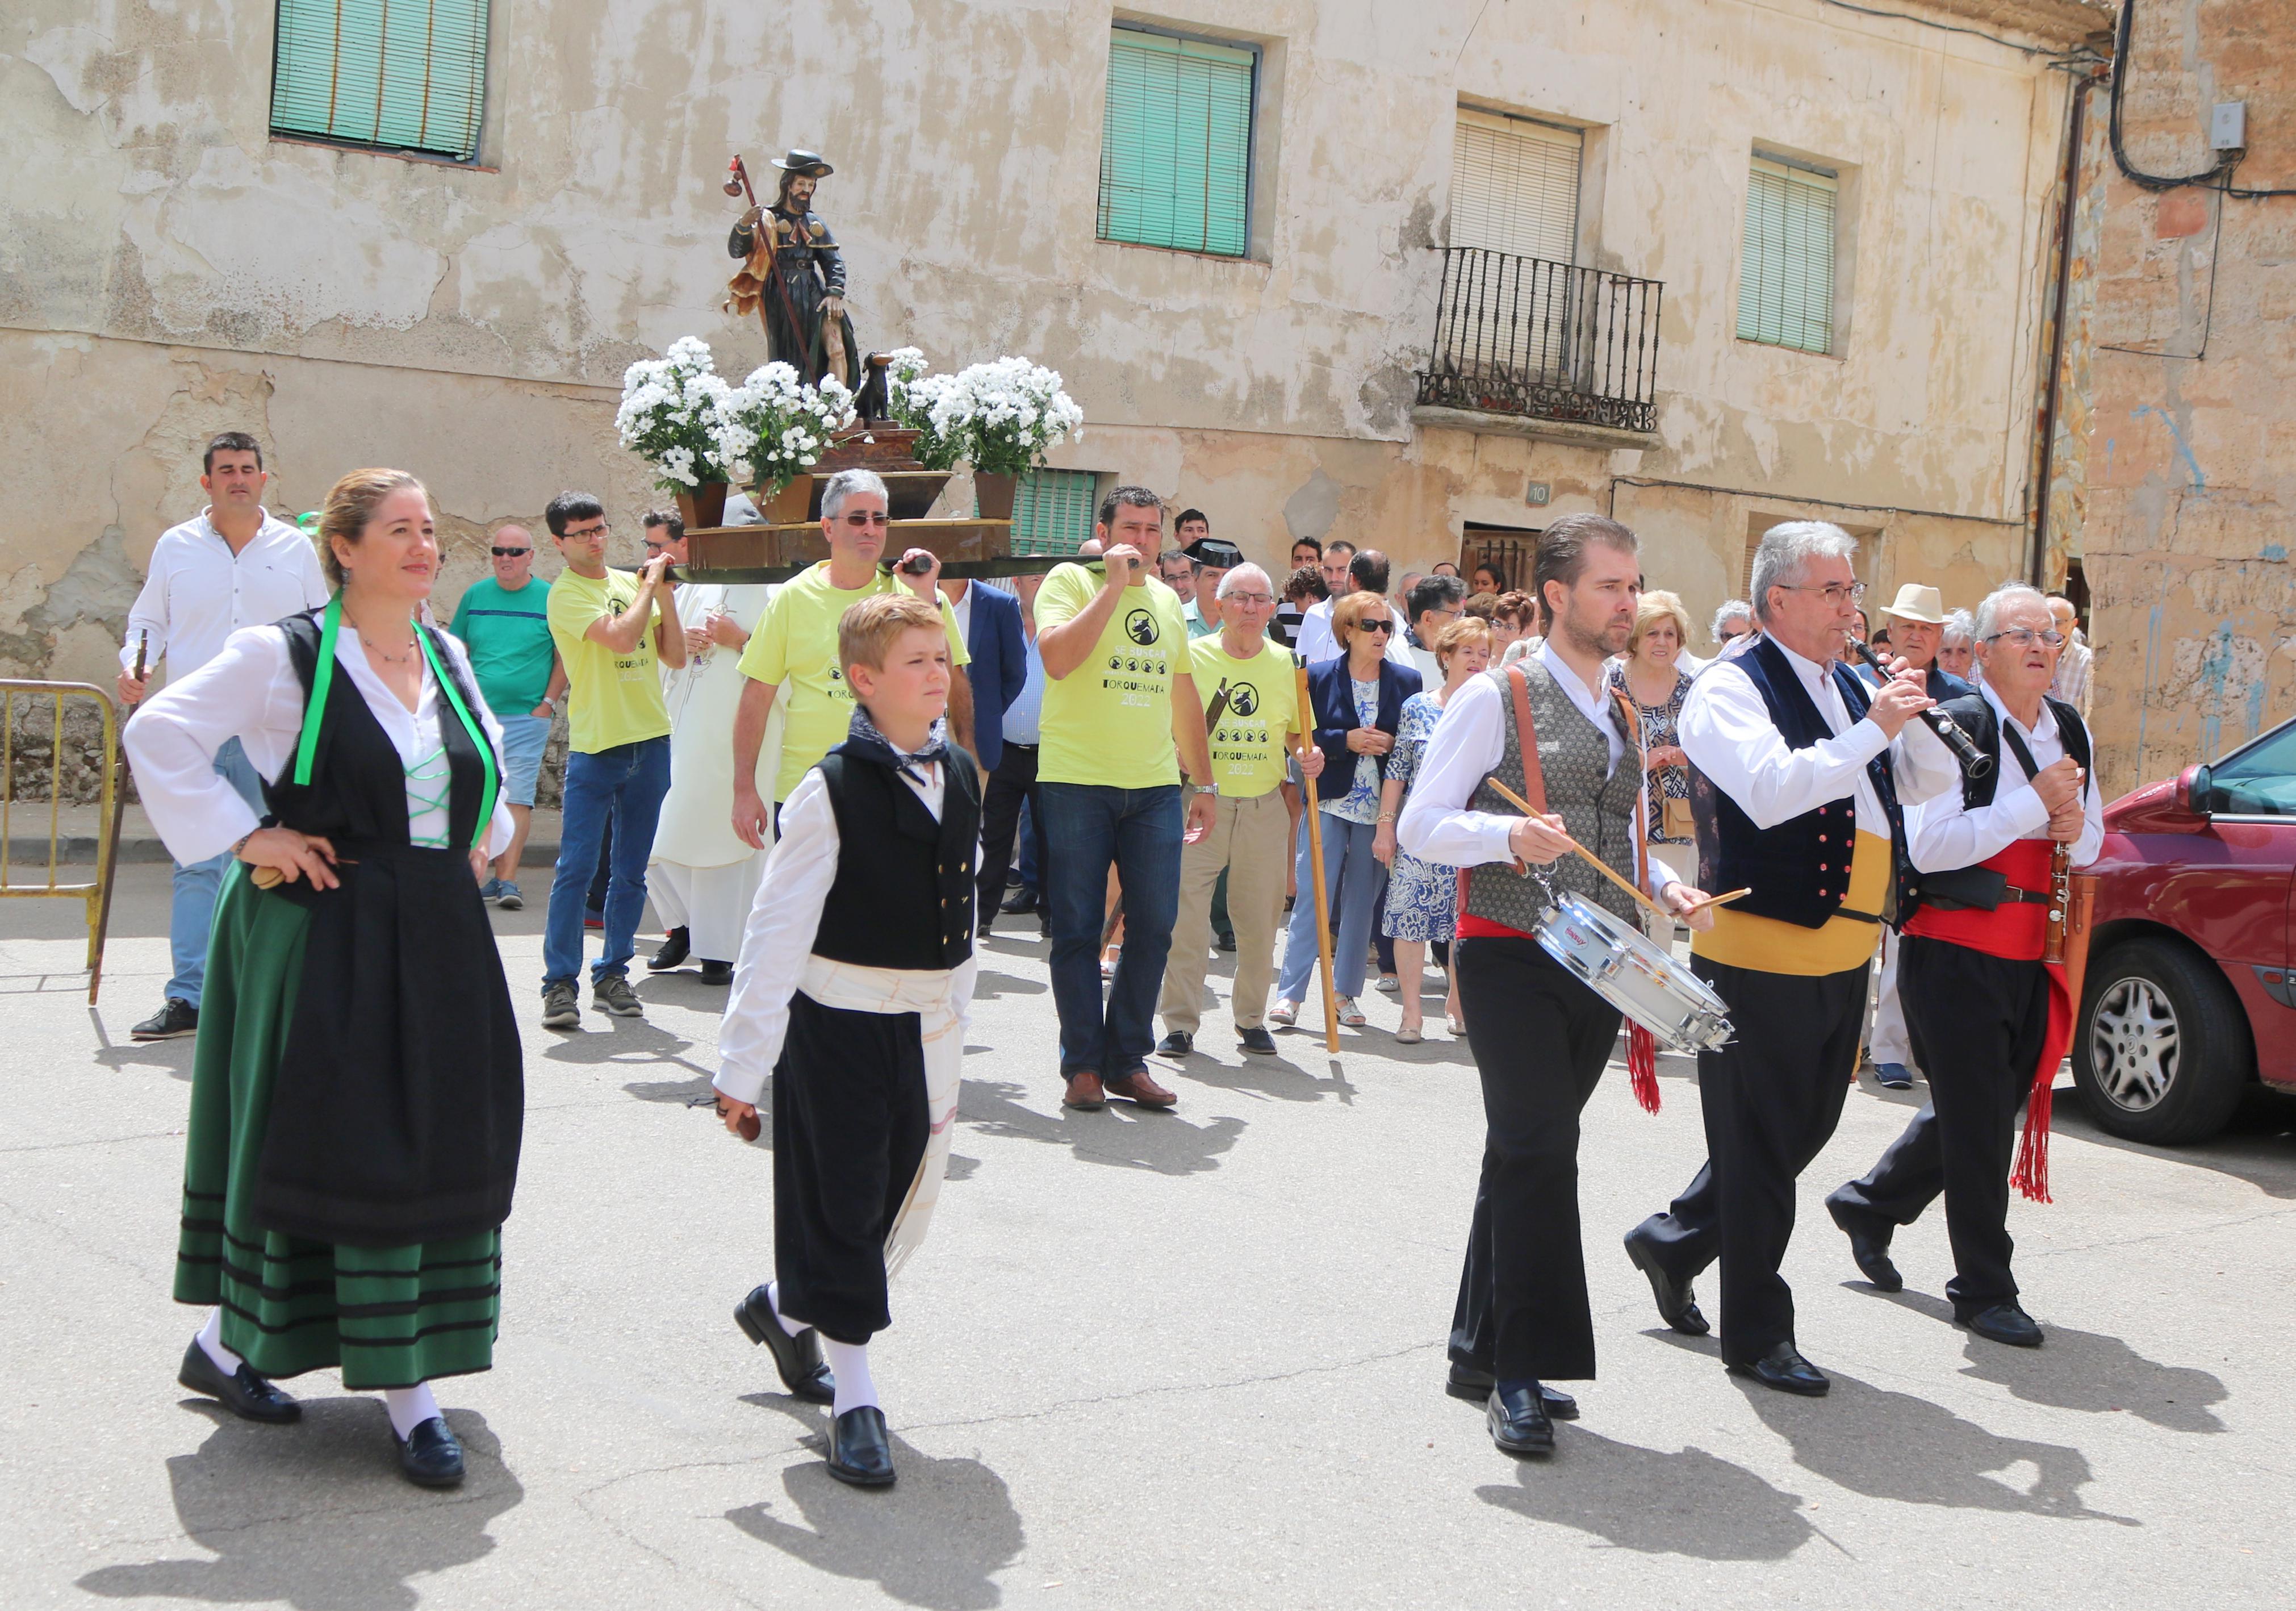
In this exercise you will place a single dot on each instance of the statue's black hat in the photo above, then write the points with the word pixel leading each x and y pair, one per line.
pixel 1217 552
pixel 805 162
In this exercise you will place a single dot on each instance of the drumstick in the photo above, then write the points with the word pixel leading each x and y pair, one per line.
pixel 1706 900
pixel 1600 866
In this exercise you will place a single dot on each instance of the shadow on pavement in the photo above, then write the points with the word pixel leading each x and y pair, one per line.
pixel 1121 1134
pixel 1688 1503
pixel 315 1514
pixel 937 1538
pixel 1277 1078
pixel 2257 1146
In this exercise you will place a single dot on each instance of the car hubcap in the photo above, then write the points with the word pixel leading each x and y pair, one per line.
pixel 2134 1041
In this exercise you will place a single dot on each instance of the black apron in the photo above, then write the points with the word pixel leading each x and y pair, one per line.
pixel 399 1101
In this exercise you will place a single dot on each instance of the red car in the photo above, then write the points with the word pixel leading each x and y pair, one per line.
pixel 2191 994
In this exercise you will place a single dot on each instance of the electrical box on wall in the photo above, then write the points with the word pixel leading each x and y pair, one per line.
pixel 2228 126
pixel 1536 494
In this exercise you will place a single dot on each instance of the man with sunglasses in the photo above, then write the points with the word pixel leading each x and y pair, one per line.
pixel 504 620
pixel 795 648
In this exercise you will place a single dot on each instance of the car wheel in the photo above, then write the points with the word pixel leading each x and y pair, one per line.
pixel 2161 1051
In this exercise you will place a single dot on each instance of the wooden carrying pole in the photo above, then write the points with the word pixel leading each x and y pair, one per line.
pixel 1306 720
pixel 107 854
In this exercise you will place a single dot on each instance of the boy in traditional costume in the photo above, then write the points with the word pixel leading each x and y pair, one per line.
pixel 854 979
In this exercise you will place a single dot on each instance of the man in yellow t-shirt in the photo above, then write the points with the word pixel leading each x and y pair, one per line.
pixel 1251 707
pixel 611 640
pixel 795 645
pixel 1120 715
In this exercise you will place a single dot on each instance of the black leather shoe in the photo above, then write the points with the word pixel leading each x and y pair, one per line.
pixel 1179 1043
pixel 1224 942
pixel 717 973
pixel 672 954
pixel 1784 1368
pixel 1678 1305
pixel 245 1393
pixel 2003 1323
pixel 1869 1244
pixel 1518 1420
pixel 798 1357
pixel 430 1455
pixel 175 1017
pixel 1021 900
pixel 858 1451
pixel 1465 1381
pixel 1255 1040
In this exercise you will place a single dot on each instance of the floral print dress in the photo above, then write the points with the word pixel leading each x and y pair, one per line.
pixel 1658 721
pixel 1423 897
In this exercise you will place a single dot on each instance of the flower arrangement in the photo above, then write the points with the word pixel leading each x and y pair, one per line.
pixel 1001 417
pixel 668 404
pixel 772 427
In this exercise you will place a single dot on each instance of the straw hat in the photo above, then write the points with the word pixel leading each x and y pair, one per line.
pixel 1916 602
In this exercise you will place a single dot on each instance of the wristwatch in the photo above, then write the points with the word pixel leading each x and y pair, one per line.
pixel 552 703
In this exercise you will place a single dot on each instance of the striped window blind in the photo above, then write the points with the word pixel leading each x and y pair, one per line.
pixel 403 75
pixel 1786 287
pixel 1052 512
pixel 1176 144
pixel 1514 185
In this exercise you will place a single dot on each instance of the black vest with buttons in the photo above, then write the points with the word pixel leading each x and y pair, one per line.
pixel 1974 715
pixel 1799 871
pixel 903 897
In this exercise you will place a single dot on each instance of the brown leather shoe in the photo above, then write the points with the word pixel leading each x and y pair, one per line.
pixel 1085 1092
pixel 1137 1087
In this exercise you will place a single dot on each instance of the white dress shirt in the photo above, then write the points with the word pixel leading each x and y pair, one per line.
pixel 783 924
pixel 1727 731
pixel 197 593
pixel 1318 642
pixel 962 605
pixel 1943 834
pixel 250 692
pixel 1467 745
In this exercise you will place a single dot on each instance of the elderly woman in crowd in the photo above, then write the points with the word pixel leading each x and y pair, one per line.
pixel 1732 630
pixel 1956 653
pixel 1656 685
pixel 1523 634
pixel 1422 897
pixel 1357 701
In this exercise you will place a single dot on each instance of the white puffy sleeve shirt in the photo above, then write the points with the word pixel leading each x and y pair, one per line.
pixel 248 691
pixel 1943 834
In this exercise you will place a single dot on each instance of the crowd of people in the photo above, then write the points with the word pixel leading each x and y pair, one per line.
pixel 821 787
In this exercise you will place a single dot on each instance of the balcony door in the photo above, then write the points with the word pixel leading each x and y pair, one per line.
pixel 1512 303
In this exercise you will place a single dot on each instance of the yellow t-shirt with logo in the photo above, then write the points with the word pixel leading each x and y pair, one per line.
pixel 796 644
pixel 1262 705
pixel 610 699
pixel 1110 720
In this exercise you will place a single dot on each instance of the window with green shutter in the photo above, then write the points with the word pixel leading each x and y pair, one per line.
pixel 1052 512
pixel 1785 285
pixel 1176 144
pixel 401 75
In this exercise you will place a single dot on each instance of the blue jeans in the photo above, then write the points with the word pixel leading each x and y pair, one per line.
pixel 1352 881
pixel 625 784
pixel 1087 828
pixel 191 914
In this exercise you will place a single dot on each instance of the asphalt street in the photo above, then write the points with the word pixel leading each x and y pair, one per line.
pixel 1143 1359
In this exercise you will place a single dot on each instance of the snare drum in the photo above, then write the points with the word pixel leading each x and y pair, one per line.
pixel 1614 960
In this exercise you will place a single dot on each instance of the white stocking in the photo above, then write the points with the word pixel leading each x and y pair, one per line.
pixel 848 1362
pixel 409 1407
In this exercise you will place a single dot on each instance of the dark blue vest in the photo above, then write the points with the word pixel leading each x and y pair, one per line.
pixel 1799 871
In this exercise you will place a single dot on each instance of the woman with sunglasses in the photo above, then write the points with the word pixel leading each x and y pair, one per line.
pixel 1357 704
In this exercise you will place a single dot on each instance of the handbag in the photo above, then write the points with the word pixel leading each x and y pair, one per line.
pixel 1676 821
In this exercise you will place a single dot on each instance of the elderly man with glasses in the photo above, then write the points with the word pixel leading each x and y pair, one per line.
pixel 504 622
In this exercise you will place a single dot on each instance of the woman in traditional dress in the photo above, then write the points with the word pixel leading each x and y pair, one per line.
pixel 357 1092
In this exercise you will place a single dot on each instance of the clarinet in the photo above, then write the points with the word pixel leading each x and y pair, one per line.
pixel 1973 760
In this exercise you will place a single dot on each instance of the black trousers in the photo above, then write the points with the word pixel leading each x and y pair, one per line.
pixel 1771 1098
pixel 849 1126
pixel 1977 1024
pixel 1540 1041
pixel 1013 781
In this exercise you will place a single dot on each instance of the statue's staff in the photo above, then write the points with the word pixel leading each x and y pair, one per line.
pixel 739 186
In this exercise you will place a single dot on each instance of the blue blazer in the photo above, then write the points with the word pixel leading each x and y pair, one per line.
pixel 1332 698
pixel 999 668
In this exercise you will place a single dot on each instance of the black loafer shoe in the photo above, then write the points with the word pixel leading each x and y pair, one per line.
pixel 858 1451
pixel 798 1357
pixel 1678 1305
pixel 1255 1040
pixel 1869 1244
pixel 1474 1386
pixel 672 954
pixel 175 1017
pixel 1021 900
pixel 1784 1368
pixel 1224 942
pixel 247 1395
pixel 2003 1323
pixel 1518 1420
pixel 430 1455
pixel 717 973
pixel 1179 1043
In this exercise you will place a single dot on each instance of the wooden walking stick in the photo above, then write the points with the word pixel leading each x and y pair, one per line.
pixel 1316 862
pixel 108 853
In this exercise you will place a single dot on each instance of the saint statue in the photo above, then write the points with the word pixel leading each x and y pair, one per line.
pixel 793 279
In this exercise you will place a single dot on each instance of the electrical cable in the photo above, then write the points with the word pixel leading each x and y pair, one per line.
pixel 2217 177
pixel 1947 27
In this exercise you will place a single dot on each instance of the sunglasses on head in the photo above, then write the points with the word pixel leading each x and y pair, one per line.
pixel 506 552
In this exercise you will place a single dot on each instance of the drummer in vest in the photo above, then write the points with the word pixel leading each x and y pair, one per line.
pixel 1541 1037
pixel 1796 780
pixel 1990 1020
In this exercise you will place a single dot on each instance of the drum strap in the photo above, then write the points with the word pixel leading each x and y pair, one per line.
pixel 1526 736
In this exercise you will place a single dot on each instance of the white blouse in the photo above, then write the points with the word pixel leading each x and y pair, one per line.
pixel 250 692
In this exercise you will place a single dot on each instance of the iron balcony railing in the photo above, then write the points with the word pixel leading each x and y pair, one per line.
pixel 1545 340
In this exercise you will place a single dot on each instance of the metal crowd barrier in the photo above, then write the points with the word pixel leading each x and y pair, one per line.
pixel 96 893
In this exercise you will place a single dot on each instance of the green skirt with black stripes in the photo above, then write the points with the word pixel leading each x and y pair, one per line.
pixel 389 1317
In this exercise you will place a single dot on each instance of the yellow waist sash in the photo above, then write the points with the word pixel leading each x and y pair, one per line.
pixel 1742 939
